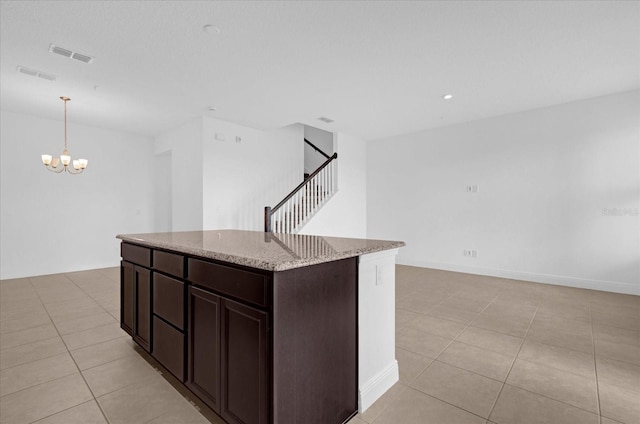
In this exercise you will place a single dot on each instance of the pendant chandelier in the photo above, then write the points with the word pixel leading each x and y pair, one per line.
pixel 52 164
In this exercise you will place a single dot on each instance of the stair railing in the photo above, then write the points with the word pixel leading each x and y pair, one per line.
pixel 316 148
pixel 299 205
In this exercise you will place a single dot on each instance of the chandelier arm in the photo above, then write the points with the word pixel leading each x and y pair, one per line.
pixel 49 168
pixel 74 172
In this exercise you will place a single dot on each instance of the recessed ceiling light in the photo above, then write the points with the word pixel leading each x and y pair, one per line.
pixel 211 109
pixel 211 29
pixel 448 96
pixel 325 119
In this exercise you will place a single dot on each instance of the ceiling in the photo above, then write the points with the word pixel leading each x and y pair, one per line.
pixel 376 68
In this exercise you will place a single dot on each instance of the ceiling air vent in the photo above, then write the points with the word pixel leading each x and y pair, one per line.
pixel 34 73
pixel 70 54
pixel 325 119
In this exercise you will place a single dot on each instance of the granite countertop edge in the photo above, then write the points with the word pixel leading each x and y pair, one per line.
pixel 276 265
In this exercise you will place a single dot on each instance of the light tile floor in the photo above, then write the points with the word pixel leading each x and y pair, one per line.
pixel 471 349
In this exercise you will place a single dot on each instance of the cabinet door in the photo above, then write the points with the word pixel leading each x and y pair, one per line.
pixel 244 358
pixel 204 346
pixel 142 323
pixel 127 296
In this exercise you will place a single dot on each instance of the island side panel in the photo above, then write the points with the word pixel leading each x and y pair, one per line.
pixel 315 343
pixel 378 368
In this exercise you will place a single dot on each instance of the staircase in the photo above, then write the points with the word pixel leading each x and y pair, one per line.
pixel 295 210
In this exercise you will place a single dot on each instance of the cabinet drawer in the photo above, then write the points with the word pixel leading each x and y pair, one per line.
pixel 168 299
pixel 245 285
pixel 169 262
pixel 168 347
pixel 136 254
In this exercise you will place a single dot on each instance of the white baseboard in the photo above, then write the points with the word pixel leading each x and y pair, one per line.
pixel 584 283
pixel 371 390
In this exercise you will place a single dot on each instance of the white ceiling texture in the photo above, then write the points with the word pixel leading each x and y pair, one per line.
pixel 377 68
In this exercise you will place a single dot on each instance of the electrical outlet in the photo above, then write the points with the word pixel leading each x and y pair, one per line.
pixel 472 188
pixel 470 253
pixel 379 275
pixel 219 136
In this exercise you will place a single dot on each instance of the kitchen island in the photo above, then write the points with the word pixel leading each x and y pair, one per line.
pixel 265 328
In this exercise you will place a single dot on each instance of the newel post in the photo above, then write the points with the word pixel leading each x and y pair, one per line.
pixel 267 219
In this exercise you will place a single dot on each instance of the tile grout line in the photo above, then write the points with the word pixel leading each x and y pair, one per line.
pixel 537 313
pixel 159 371
pixel 554 400
pixel 432 359
pixel 546 396
pixel 455 339
pixel 88 294
pixel 445 348
pixel 24 344
pixel 515 358
pixel 448 403
pixel 82 373
pixel 519 388
pixel 70 355
pixel 142 357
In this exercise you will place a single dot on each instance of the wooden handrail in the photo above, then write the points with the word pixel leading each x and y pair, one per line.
pixel 268 211
pixel 316 148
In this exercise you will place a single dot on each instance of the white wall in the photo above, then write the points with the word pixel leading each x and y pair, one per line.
pixel 185 144
pixel 345 214
pixel 241 177
pixel 163 191
pixel 559 191
pixel 53 223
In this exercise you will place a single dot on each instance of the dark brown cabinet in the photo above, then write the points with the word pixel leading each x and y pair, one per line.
pixel 127 296
pixel 204 346
pixel 142 322
pixel 244 357
pixel 168 347
pixel 228 356
pixel 135 312
pixel 258 347
pixel 169 298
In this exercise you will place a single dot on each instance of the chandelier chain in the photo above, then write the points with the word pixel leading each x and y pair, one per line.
pixel 65 122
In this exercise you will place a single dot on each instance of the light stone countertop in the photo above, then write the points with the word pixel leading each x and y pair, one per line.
pixel 255 249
